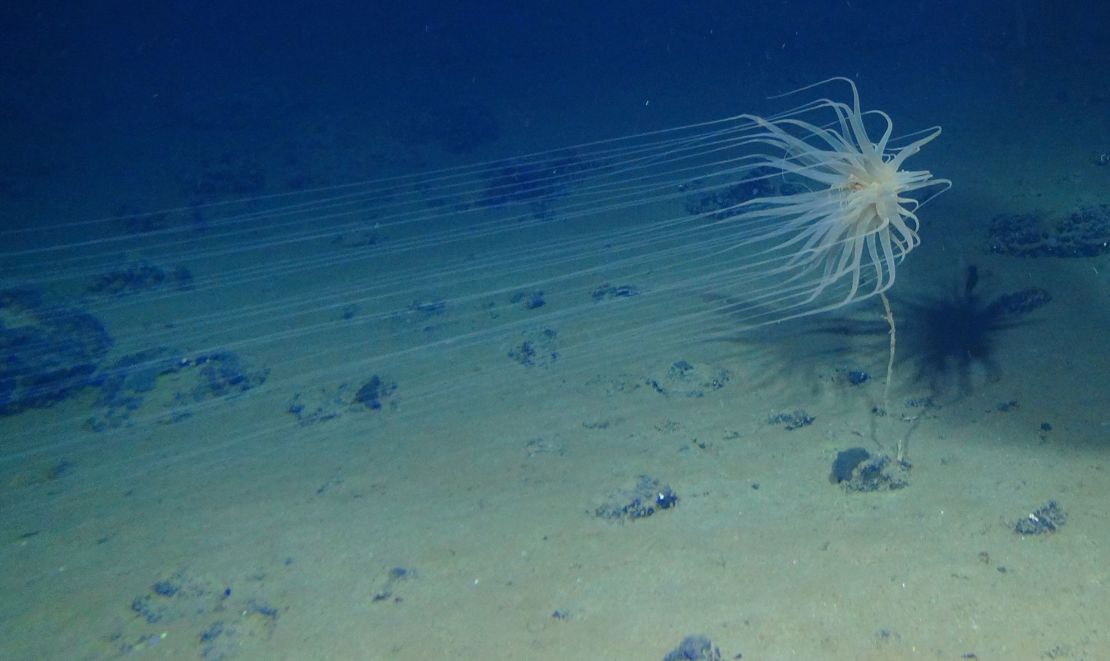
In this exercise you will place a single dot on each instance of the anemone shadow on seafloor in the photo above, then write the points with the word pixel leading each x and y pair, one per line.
pixel 949 339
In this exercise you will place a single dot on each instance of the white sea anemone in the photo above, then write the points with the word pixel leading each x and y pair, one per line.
pixel 851 216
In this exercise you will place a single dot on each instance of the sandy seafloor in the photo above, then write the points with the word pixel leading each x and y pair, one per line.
pixel 485 494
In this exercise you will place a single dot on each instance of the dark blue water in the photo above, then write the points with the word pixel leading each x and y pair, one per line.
pixel 587 69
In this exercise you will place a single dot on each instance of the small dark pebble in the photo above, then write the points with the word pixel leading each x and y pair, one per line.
pixel 212 632
pixel 374 391
pixel 846 462
pixel 857 377
pixel 141 606
pixel 560 614
pixel 263 609
pixel 394 575
pixel 1048 518
pixel 165 589
pixel 648 497
pixel 666 499
pixel 694 648
pixel 681 367
pixel 878 473
pixel 539 349
pixel 607 291
pixel 529 300
pixel 1046 427
pixel 792 420
pixel 400 573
